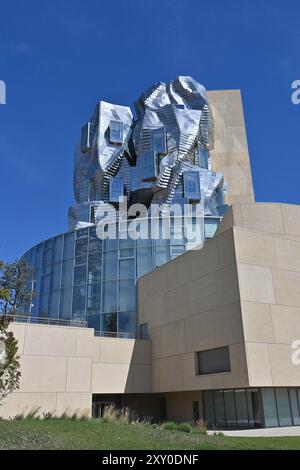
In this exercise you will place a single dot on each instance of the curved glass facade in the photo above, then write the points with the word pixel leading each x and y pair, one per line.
pixel 81 277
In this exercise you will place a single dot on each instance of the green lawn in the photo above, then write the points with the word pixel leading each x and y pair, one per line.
pixel 68 434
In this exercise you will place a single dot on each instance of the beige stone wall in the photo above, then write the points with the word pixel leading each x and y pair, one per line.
pixel 269 279
pixel 242 289
pixel 230 155
pixel 193 304
pixel 61 367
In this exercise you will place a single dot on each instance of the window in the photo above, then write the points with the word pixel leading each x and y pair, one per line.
pixel 283 406
pixel 147 166
pixel 87 136
pixel 116 132
pixel 144 331
pixel 158 140
pixel 230 411
pixel 213 361
pixel 69 246
pixel 191 181
pixel 270 411
pixel 116 189
pixel 241 408
pixel 295 407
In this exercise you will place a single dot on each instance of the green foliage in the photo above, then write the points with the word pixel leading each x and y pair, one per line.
pixel 184 427
pixel 15 286
pixel 169 426
pixel 9 359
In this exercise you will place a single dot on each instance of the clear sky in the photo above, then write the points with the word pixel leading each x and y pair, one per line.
pixel 59 57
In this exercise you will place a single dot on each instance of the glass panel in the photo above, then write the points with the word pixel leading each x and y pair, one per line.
pixel 213 361
pixel 110 244
pixel 80 275
pixel 191 181
pixel 127 295
pixel 283 407
pixel 110 265
pixel 256 407
pixel 250 407
pixel 269 405
pixel 94 296
pixel 116 132
pixel 93 322
pixel 81 250
pixel 110 322
pixel 39 256
pixel 55 276
pixel 295 407
pixel 143 260
pixel 57 249
pixel 54 305
pixel 95 257
pixel 177 251
pixel 126 269
pixel 44 301
pixel 230 413
pixel 127 322
pixel 69 246
pixel 210 227
pixel 67 273
pixel 162 255
pixel 116 189
pixel 45 285
pixel 79 300
pixel 126 252
pixel 219 408
pixel 158 138
pixel 109 301
pixel 65 303
pixel 47 258
pixel 209 414
pixel 94 270
pixel 241 408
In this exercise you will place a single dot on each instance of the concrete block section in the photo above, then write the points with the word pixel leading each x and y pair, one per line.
pixel 79 371
pixel 257 322
pixel 110 378
pixel 50 340
pixel 286 285
pixel 259 366
pixel 69 403
pixel 255 248
pixel 23 403
pixel 256 283
pixel 43 373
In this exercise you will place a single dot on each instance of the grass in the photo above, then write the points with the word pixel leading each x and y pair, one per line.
pixel 117 435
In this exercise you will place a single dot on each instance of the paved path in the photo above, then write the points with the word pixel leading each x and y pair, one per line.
pixel 265 432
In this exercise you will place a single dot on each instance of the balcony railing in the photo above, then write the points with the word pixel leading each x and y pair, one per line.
pixel 76 323
pixel 114 334
pixel 48 321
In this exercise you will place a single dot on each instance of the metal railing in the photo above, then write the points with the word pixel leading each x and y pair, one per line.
pixel 114 334
pixel 48 321
pixel 77 323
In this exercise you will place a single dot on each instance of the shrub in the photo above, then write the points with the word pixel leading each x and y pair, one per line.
pixel 184 427
pixel 170 426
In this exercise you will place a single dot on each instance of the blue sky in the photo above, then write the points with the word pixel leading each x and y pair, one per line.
pixel 59 57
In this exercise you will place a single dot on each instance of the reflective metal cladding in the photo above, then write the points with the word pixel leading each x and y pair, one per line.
pixel 166 150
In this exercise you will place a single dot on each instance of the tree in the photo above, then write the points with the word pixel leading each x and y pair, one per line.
pixel 15 286
pixel 9 359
